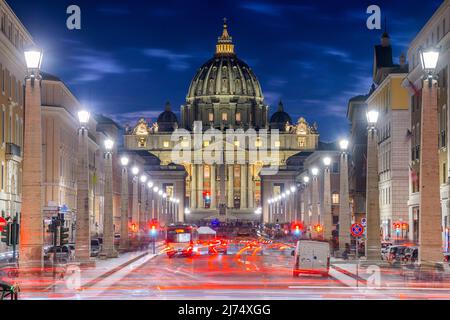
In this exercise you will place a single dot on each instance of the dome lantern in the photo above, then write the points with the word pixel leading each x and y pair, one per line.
pixel 225 44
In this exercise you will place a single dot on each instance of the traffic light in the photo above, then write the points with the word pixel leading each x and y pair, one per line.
pixel 6 234
pixel 318 228
pixel 63 236
pixel 15 227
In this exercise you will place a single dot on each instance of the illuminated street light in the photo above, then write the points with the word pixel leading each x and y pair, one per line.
pixel 343 144
pixel 109 144
pixel 306 179
pixel 124 161
pixel 150 184
pixel 155 189
pixel 327 161
pixel 429 59
pixel 372 117
pixel 83 117
pixel 144 178
pixel 315 172
pixel 135 171
pixel 187 211
pixel 33 59
pixel 293 189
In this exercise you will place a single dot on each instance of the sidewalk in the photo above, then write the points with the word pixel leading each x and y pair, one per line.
pixel 352 274
pixel 76 279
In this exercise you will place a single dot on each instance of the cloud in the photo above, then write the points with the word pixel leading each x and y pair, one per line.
pixel 273 9
pixel 175 61
pixel 133 117
pixel 94 65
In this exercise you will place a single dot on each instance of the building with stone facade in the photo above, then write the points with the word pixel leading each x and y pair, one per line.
pixel 14 38
pixel 434 33
pixel 390 99
pixel 224 94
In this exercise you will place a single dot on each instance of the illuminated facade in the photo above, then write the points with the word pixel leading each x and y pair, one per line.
pixel 224 95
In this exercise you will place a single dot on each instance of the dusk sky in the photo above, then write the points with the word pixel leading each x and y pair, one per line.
pixel 132 56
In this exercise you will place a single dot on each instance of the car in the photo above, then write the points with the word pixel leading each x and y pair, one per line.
pixel 218 246
pixel 95 247
pixel 394 253
pixel 312 257
pixel 410 255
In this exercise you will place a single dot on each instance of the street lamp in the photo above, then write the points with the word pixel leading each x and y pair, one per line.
pixel 327 214
pixel 315 197
pixel 124 161
pixel 150 185
pixel 373 238
pixel 135 200
pixel 315 172
pixel 31 218
pixel 343 144
pixel 83 117
pixel 430 220
pixel 344 201
pixel 108 250
pixel 144 178
pixel 135 171
pixel 306 179
pixel 155 189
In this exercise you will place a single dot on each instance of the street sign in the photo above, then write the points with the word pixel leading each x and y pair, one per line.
pixel 357 230
pixel 3 223
pixel 364 222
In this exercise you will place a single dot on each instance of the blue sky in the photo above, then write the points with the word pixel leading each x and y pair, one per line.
pixel 130 57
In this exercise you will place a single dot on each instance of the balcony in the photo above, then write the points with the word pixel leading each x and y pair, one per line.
pixel 13 151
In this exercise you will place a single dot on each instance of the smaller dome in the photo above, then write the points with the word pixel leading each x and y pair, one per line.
pixel 280 118
pixel 167 120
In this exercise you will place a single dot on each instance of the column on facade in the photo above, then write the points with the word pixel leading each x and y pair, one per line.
pixel 213 186
pixel 230 194
pixel 193 186
pixel 344 204
pixel 327 214
pixel 200 177
pixel 180 195
pixel 250 187
pixel 244 189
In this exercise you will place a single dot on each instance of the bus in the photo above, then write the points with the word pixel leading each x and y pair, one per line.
pixel 181 239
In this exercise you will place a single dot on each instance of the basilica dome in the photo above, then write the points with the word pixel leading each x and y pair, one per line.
pixel 225 93
pixel 167 120
pixel 280 118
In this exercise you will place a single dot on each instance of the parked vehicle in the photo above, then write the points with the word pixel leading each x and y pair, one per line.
pixel 384 249
pixel 312 257
pixel 394 253
pixel 410 255
pixel 95 247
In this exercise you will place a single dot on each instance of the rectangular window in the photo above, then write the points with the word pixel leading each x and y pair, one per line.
pixel 444 173
pixel 3 176
pixel 238 117
pixel 206 143
pixel 211 117
pixel 224 116
pixel 277 144
pixel 166 144
pixel 335 198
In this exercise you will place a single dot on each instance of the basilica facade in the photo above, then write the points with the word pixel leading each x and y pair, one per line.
pixel 224 96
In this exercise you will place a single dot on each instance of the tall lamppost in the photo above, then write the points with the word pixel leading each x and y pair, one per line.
pixel 315 199
pixel 294 204
pixel 373 238
pixel 344 202
pixel 83 223
pixel 327 214
pixel 108 250
pixel 144 206
pixel 135 199
pixel 151 199
pixel 31 218
pixel 306 219
pixel 155 195
pixel 430 241
pixel 124 219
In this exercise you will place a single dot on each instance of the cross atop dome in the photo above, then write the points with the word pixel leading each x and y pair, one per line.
pixel 225 44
